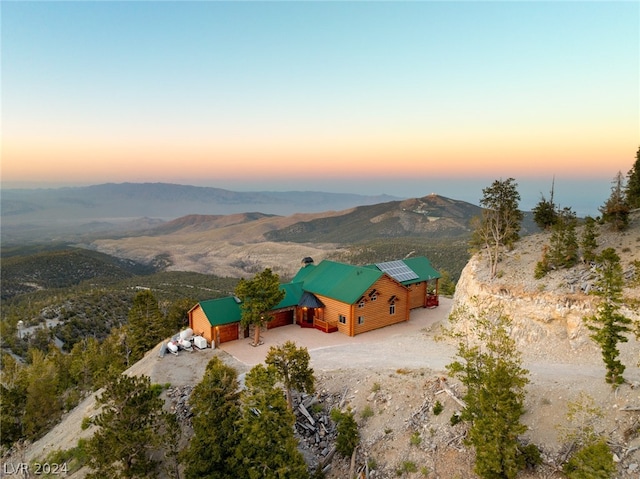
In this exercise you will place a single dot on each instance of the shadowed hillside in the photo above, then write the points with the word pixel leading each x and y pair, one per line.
pixel 432 216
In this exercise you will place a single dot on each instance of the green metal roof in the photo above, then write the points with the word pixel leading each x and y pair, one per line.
pixel 339 281
pixel 303 273
pixel 221 311
pixel 420 266
pixel 227 310
pixel 293 293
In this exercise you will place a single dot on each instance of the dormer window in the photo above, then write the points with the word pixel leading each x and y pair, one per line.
pixel 361 303
pixel 373 295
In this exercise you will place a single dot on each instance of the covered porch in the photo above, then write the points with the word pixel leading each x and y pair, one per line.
pixel 310 314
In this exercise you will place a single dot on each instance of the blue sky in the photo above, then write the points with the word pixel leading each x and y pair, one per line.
pixel 403 98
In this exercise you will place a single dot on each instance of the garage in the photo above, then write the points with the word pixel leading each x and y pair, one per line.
pixel 228 332
pixel 217 320
pixel 281 318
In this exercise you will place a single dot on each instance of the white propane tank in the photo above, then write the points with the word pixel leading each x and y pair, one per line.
pixel 186 334
pixel 172 347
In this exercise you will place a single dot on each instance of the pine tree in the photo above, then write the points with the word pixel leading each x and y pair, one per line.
pixel 130 416
pixel 215 404
pixel 267 448
pixel 146 326
pixel 499 225
pixel 292 367
pixel 589 239
pixel 544 213
pixel 348 436
pixel 632 191
pixel 43 405
pixel 616 209
pixel 258 296
pixel 13 396
pixel 563 252
pixel 490 368
pixel 177 317
pixel 608 325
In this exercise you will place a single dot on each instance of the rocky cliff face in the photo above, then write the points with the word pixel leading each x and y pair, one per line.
pixel 537 316
pixel 548 314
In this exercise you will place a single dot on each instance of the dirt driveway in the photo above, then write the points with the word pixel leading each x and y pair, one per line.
pixel 399 345
pixel 336 350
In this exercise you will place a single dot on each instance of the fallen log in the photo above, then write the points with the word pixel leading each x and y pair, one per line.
pixel 306 414
pixel 353 461
pixel 445 387
pixel 344 397
pixel 630 408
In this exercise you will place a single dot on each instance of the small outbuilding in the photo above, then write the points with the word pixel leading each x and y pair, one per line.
pixel 217 320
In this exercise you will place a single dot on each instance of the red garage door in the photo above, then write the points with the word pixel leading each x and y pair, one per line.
pixel 228 332
pixel 281 318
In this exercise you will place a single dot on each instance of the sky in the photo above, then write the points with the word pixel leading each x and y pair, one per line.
pixel 403 98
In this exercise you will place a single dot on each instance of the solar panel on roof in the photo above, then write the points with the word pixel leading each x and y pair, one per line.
pixel 398 270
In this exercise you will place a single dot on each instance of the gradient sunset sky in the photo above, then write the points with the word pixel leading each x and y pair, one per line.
pixel 403 98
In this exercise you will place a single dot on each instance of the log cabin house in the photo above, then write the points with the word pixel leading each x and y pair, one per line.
pixel 331 297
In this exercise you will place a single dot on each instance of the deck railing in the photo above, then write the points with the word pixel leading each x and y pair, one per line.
pixel 325 326
pixel 432 300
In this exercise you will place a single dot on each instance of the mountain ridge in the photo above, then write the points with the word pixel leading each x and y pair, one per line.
pixel 70 212
pixel 102 198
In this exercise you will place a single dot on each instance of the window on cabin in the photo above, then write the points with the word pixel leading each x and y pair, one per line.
pixel 392 309
pixel 360 319
pixel 374 296
pixel 342 319
pixel 361 303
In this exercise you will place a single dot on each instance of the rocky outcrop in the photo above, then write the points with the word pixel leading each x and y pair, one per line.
pixel 547 314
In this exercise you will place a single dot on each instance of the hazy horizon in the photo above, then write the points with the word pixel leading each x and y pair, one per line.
pixel 398 98
pixel 583 196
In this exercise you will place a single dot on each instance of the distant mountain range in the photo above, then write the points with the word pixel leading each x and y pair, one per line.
pixel 156 209
pixel 104 218
pixel 167 201
pixel 58 212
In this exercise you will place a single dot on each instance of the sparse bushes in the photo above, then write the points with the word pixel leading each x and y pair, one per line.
pixel 367 412
pixel 593 461
pixel 406 467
